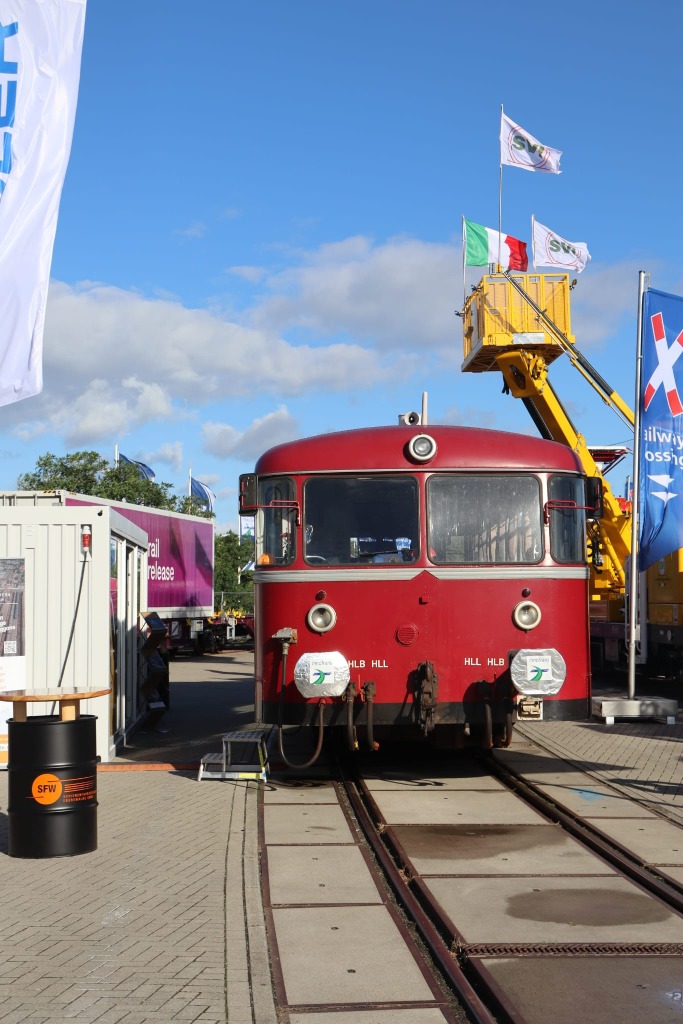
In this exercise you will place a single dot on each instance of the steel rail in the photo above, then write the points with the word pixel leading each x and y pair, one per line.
pixel 442 956
pixel 590 835
pixel 439 931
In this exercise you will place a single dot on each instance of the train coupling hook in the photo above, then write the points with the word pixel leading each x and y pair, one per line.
pixel 427 696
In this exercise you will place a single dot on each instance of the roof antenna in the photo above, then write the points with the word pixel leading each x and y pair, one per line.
pixel 424 409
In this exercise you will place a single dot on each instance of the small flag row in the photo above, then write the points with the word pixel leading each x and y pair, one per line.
pixel 483 246
pixel 196 489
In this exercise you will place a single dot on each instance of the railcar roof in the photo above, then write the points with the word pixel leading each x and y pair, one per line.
pixel 385 448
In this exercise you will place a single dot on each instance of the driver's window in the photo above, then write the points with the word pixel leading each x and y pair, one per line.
pixel 275 522
pixel 369 520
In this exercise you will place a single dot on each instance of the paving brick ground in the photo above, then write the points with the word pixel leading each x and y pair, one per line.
pixel 163 922
pixel 641 758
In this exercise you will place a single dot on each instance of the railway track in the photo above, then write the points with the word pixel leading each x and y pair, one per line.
pixel 464 890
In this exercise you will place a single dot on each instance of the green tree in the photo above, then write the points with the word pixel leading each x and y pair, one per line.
pixel 230 558
pixel 80 472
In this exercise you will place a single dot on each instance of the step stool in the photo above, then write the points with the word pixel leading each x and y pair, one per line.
pixel 221 766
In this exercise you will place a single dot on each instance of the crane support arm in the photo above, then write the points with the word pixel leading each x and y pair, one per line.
pixel 526 377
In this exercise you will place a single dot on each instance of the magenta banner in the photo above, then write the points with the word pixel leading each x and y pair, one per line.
pixel 180 560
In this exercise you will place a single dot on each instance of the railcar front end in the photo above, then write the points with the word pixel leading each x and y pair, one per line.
pixel 408 579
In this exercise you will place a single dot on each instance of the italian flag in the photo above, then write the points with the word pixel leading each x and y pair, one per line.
pixel 481 248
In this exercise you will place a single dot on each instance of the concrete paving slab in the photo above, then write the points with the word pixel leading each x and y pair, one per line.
pixel 290 824
pixel 423 1015
pixel 299 791
pixel 426 784
pixel 520 910
pixel 523 750
pixel 319 874
pixel 655 842
pixel 346 955
pixel 455 808
pixel 559 778
pixel 565 990
pixel 596 801
pixel 496 850
pixel 542 762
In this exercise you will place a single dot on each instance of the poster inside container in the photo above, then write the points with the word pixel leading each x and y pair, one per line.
pixel 12 640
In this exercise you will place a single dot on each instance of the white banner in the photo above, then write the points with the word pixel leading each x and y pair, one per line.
pixel 550 250
pixel 519 149
pixel 40 62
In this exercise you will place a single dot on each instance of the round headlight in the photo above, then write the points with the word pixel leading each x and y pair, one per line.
pixel 526 615
pixel 321 618
pixel 422 447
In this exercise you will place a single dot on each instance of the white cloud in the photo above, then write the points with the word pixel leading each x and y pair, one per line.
pixel 400 294
pixel 98 413
pixel 251 274
pixel 170 453
pixel 96 330
pixel 371 314
pixel 224 441
pixel 194 230
pixel 603 302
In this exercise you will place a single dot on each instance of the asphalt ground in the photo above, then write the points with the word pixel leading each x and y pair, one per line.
pixel 164 921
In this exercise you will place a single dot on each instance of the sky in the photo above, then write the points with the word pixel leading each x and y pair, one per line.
pixel 259 235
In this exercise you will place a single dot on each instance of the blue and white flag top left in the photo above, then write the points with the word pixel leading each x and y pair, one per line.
pixel 661 410
pixel 40 66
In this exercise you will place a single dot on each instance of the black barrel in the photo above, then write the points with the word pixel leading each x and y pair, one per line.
pixel 52 799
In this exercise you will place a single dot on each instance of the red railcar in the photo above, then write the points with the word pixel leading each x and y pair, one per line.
pixel 418 577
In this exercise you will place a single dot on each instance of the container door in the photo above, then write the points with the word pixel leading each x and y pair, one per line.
pixel 125 593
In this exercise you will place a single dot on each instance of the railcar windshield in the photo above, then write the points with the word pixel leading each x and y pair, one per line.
pixel 484 519
pixel 567 523
pixel 369 520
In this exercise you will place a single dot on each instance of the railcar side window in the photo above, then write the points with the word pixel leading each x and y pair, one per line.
pixel 361 520
pixel 567 525
pixel 275 523
pixel 484 519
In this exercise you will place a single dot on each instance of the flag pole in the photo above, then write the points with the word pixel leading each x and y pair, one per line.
pixel 533 241
pixel 633 575
pixel 500 196
pixel 464 259
pixel 189 483
pixel 116 455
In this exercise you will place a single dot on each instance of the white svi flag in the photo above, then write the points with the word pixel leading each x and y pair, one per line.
pixel 551 250
pixel 520 149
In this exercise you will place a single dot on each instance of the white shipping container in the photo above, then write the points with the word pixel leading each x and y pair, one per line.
pixel 76 624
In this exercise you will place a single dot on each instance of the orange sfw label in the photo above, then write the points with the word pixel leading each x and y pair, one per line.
pixel 46 789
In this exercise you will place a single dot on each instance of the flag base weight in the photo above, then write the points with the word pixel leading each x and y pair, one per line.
pixel 623 707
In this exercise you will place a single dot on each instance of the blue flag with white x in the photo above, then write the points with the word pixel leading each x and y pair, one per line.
pixel 661 411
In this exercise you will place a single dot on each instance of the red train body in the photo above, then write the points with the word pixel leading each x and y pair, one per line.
pixel 420 576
